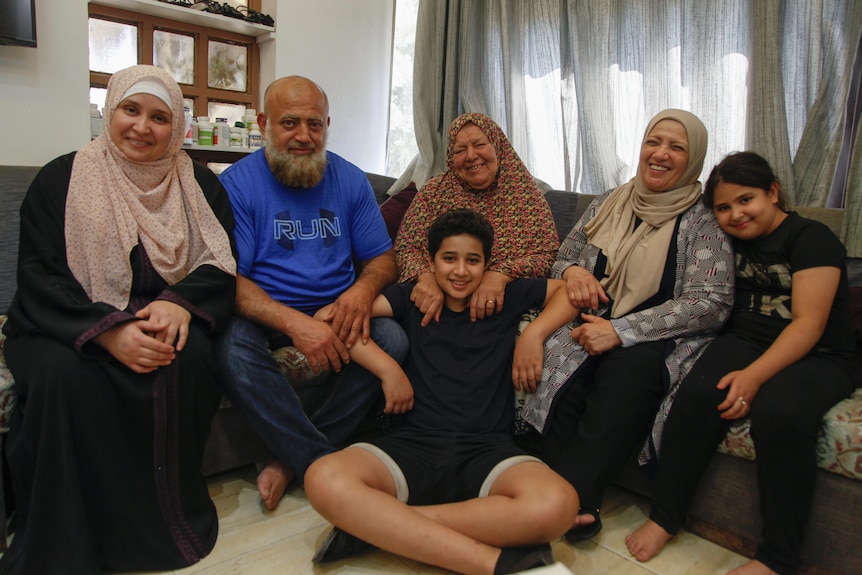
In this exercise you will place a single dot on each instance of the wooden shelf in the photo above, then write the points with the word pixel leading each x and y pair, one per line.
pixel 207 154
pixel 198 17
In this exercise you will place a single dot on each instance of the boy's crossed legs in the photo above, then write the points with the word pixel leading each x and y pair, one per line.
pixel 528 504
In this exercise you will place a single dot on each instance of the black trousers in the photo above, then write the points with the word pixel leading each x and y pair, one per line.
pixel 785 415
pixel 602 415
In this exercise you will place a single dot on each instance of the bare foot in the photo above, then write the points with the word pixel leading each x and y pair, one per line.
pixel 271 483
pixel 646 541
pixel 753 567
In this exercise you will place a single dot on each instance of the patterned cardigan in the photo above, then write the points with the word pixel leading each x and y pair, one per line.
pixel 703 300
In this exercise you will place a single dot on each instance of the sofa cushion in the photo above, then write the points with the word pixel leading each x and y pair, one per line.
pixel 394 208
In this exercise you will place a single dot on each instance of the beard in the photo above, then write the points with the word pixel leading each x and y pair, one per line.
pixel 293 170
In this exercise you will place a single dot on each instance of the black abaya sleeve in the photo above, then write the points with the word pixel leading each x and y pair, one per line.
pixel 49 300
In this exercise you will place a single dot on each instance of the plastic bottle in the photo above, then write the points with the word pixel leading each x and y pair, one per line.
pixel 194 130
pixel 255 139
pixel 250 118
pixel 187 117
pixel 205 131
pixel 243 133
pixel 223 139
pixel 96 122
pixel 235 137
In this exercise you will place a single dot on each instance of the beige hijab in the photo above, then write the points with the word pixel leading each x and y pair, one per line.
pixel 114 204
pixel 636 256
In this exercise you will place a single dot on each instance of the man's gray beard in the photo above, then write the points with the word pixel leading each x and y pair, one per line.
pixel 296 171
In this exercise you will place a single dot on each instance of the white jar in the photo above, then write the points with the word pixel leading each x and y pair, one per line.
pixel 235 137
pixel 255 139
pixel 223 129
pixel 205 131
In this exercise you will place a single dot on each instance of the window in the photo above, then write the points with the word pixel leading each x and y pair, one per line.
pixel 402 141
pixel 217 70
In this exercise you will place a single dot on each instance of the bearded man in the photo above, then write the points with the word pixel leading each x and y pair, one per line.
pixel 304 215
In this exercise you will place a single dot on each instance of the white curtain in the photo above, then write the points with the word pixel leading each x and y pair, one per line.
pixel 573 84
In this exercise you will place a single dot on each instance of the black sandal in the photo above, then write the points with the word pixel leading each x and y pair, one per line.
pixel 584 532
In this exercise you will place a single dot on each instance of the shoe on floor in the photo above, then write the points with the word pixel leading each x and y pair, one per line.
pixel 338 545
pixel 515 559
pixel 584 532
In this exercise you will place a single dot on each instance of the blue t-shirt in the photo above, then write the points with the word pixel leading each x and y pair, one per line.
pixel 299 244
pixel 461 370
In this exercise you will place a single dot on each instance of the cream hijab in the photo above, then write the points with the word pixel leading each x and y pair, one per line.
pixel 113 204
pixel 636 256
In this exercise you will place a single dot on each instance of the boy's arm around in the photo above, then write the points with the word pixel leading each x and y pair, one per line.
pixel 396 387
pixel 530 349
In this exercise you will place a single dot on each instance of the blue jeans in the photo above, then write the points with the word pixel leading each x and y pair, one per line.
pixel 298 429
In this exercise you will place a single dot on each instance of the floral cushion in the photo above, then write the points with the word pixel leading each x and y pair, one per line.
pixel 839 445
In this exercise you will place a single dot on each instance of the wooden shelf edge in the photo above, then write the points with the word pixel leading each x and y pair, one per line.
pixel 182 14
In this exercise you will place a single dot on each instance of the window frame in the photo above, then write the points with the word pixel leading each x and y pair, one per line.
pixel 200 93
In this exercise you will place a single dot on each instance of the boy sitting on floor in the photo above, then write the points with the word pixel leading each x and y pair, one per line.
pixel 448 486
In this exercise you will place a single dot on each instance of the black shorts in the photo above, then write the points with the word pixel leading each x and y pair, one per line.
pixel 433 470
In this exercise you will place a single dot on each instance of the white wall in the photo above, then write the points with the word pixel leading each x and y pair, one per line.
pixel 45 90
pixel 344 45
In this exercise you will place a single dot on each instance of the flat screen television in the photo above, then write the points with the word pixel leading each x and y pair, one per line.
pixel 18 22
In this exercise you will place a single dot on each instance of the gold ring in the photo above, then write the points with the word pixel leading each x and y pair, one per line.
pixel 742 399
pixel 491 301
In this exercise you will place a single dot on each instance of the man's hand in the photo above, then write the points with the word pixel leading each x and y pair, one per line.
pixel 319 343
pixel 171 321
pixel 350 314
pixel 132 345
pixel 488 297
pixel 428 297
pixel 597 335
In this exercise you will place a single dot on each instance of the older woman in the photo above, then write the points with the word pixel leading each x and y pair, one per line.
pixel 653 274
pixel 485 174
pixel 125 270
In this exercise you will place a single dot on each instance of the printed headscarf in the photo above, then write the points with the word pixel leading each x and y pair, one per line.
pixel 636 256
pixel 525 235
pixel 512 174
pixel 113 204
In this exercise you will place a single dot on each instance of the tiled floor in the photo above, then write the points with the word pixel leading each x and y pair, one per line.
pixel 253 541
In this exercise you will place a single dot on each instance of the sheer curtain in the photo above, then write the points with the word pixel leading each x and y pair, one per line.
pixel 574 83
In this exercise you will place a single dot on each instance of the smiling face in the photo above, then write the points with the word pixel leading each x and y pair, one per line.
pixel 141 127
pixel 458 267
pixel 664 156
pixel 474 157
pixel 747 213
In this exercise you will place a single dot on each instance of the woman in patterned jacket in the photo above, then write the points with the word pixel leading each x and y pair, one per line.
pixel 653 274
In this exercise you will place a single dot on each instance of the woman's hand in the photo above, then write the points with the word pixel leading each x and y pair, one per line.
pixel 527 363
pixel 596 335
pixel 741 389
pixel 132 344
pixel 488 297
pixel 170 321
pixel 584 290
pixel 428 297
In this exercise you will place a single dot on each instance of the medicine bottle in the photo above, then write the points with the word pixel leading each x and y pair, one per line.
pixel 235 137
pixel 187 118
pixel 205 131
pixel 255 139
pixel 223 129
